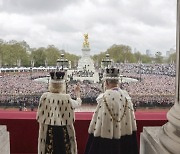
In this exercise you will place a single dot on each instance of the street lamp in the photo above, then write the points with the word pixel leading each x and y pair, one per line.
pixel 62 63
pixel 31 69
pixel 46 62
pixel 152 64
pixel 48 77
pixel 121 77
pixel 106 62
pixel 140 62
pixel 31 72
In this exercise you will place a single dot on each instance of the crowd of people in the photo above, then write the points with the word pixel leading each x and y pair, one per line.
pixel 19 89
pixel 89 91
pixel 157 69
pixel 156 86
pixel 84 73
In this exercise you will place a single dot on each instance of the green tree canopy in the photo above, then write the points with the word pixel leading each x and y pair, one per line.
pixel 158 57
pixel 172 58
pixel 13 51
pixel 39 56
pixel 52 54
pixel 122 53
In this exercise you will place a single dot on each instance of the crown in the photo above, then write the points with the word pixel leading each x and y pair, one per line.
pixel 111 73
pixel 57 75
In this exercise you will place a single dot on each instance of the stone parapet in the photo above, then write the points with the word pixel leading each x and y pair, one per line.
pixel 4 140
pixel 150 143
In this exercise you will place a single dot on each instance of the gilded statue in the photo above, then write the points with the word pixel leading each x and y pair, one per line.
pixel 86 43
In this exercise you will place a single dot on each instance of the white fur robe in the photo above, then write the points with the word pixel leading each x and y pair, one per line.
pixel 120 104
pixel 56 109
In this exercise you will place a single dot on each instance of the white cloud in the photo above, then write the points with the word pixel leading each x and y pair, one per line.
pixel 138 23
pixel 30 7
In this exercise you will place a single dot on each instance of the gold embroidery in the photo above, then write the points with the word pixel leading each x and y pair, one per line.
pixel 124 113
pixel 49 146
pixel 67 144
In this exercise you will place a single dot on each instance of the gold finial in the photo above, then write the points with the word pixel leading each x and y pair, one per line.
pixel 86 43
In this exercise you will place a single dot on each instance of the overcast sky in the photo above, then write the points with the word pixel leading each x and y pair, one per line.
pixel 141 24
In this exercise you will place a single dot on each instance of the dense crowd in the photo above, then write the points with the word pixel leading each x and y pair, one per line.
pixel 89 91
pixel 157 69
pixel 84 73
pixel 156 86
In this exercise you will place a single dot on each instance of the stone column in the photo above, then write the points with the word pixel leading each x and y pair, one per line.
pixel 4 140
pixel 166 139
pixel 178 55
pixel 170 137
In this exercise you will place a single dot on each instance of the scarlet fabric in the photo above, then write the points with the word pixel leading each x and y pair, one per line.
pixel 23 128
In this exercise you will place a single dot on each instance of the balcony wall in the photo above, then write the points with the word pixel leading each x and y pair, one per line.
pixel 23 128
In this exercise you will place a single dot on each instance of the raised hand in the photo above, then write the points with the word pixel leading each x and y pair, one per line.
pixel 77 90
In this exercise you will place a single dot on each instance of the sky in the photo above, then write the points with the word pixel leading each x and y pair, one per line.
pixel 141 24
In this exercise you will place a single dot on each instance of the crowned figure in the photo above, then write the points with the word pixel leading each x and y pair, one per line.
pixel 112 129
pixel 55 115
pixel 86 42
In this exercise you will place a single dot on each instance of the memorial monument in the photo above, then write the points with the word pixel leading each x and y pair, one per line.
pixel 166 139
pixel 86 63
pixel 85 69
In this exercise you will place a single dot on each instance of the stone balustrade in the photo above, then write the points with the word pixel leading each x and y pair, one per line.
pixel 4 140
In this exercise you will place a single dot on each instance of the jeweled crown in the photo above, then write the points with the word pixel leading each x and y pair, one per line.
pixel 57 75
pixel 111 72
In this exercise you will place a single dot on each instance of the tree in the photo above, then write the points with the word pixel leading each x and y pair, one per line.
pixel 1 52
pixel 146 59
pixel 39 56
pixel 71 57
pixel 25 45
pixel 142 57
pixel 119 53
pixel 11 52
pixel 52 54
pixel 20 53
pixel 98 57
pixel 158 57
pixel 172 58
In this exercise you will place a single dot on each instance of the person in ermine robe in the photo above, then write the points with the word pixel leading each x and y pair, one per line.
pixel 112 129
pixel 55 115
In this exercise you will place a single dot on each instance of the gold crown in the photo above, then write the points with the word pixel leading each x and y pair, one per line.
pixel 111 73
pixel 57 75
